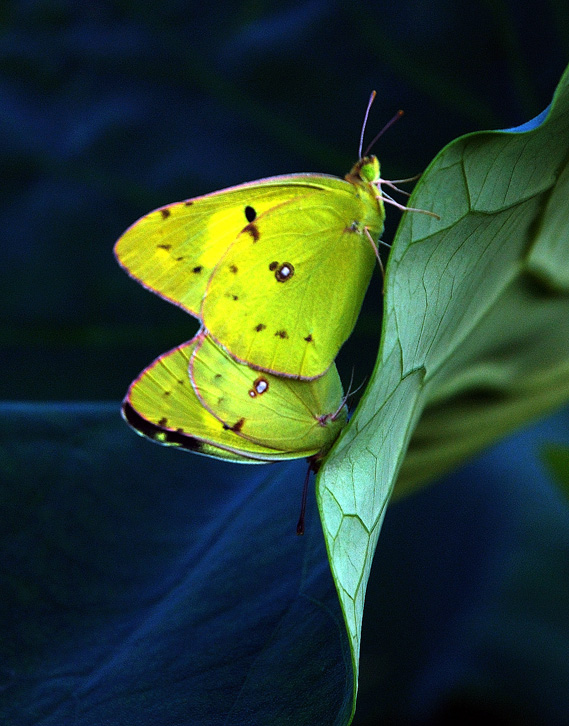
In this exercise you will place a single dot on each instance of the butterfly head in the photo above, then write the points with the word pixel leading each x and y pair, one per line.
pixel 365 170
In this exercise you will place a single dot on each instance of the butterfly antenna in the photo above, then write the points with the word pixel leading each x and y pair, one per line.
pixel 343 402
pixel 350 391
pixel 371 99
pixel 334 416
pixel 383 130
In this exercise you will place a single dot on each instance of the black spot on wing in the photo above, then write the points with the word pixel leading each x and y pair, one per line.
pixel 164 247
pixel 163 422
pixel 281 334
pixel 309 338
pixel 165 213
pixel 237 426
pixel 284 272
pixel 197 269
pixel 188 203
pixel 252 230
pixel 250 214
pixel 260 386
pixel 260 327
pixel 234 269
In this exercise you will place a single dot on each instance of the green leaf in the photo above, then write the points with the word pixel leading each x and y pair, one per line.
pixel 475 336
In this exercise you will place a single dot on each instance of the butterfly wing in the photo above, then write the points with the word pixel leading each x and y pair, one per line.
pixel 173 250
pixel 287 293
pixel 161 405
pixel 297 418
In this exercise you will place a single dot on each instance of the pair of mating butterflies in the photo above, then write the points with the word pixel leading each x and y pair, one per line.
pixel 276 270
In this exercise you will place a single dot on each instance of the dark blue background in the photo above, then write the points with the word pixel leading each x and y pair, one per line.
pixel 109 109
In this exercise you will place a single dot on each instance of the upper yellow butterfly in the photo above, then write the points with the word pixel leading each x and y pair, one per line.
pixel 276 269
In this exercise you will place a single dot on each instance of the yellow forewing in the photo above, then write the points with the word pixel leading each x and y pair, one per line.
pixel 174 250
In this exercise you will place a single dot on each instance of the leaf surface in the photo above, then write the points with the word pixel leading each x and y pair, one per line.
pixel 475 336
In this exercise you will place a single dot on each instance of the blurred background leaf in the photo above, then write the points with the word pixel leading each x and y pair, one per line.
pixel 137 587
pixel 136 584
pixel 557 459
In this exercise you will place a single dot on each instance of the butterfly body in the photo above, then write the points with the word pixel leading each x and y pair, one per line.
pixel 275 269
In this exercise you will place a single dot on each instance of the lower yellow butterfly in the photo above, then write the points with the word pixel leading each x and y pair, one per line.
pixel 199 398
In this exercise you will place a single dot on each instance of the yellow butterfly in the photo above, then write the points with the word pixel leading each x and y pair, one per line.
pixel 199 398
pixel 275 269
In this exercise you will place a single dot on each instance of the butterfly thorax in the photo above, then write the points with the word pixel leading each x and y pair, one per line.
pixel 365 176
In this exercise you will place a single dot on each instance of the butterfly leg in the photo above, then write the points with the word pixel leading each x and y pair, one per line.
pixel 300 525
pixel 389 200
pixel 376 251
